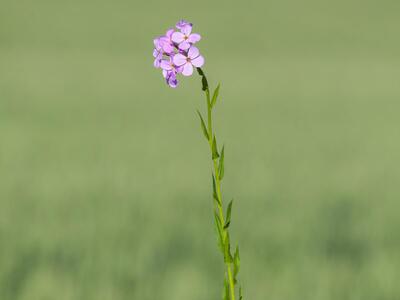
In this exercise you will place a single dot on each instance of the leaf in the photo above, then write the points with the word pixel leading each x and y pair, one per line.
pixel 228 214
pixel 203 126
pixel 226 289
pixel 240 293
pixel 227 249
pixel 215 195
pixel 215 96
pixel 203 79
pixel 236 262
pixel 219 231
pixel 215 154
pixel 221 166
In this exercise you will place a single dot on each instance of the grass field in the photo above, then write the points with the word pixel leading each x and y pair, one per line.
pixel 105 188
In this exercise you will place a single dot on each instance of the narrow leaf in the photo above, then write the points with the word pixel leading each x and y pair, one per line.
pixel 215 195
pixel 203 126
pixel 228 214
pixel 236 262
pixel 240 293
pixel 221 169
pixel 215 154
pixel 227 249
pixel 203 79
pixel 219 231
pixel 215 96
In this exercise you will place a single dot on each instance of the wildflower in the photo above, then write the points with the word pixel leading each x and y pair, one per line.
pixel 182 23
pixel 187 61
pixel 185 38
pixel 175 54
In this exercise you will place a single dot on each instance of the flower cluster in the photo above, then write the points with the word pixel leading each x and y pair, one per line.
pixel 175 52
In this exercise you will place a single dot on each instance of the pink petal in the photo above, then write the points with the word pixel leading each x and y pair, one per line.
pixel 155 53
pixel 187 69
pixel 178 37
pixel 198 61
pixel 184 45
pixel 180 59
pixel 169 33
pixel 194 38
pixel 187 30
pixel 166 65
pixel 156 63
pixel 165 73
pixel 193 52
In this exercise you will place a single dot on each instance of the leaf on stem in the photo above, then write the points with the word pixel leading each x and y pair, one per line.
pixel 236 263
pixel 227 248
pixel 220 232
pixel 215 96
pixel 221 166
pixel 215 195
pixel 203 79
pixel 215 154
pixel 203 126
pixel 228 215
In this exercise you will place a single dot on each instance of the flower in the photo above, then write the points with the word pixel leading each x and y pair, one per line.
pixel 175 54
pixel 170 70
pixel 185 38
pixel 170 78
pixel 182 23
pixel 187 61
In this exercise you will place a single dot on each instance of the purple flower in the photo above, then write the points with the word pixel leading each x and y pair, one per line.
pixel 192 58
pixel 185 38
pixel 170 78
pixel 182 23
pixel 175 54
pixel 157 53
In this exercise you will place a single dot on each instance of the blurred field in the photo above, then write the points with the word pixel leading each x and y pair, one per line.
pixel 104 174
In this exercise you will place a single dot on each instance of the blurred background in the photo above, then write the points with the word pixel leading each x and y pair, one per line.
pixel 105 189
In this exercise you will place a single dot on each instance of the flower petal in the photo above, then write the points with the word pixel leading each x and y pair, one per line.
pixel 180 59
pixel 187 29
pixel 182 23
pixel 184 45
pixel 178 37
pixel 156 63
pixel 198 61
pixel 169 33
pixel 165 65
pixel 194 38
pixel 187 69
pixel 193 52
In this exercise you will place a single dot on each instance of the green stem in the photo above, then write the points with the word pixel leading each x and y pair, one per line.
pixel 228 263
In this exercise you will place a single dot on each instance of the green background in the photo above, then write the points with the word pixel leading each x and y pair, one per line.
pixel 105 189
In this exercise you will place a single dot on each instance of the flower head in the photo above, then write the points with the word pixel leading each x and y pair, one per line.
pixel 174 52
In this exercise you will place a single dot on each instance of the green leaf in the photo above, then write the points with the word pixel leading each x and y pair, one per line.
pixel 226 289
pixel 236 262
pixel 215 195
pixel 215 154
pixel 227 249
pixel 203 126
pixel 228 215
pixel 203 79
pixel 221 166
pixel 240 293
pixel 219 231
pixel 215 96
